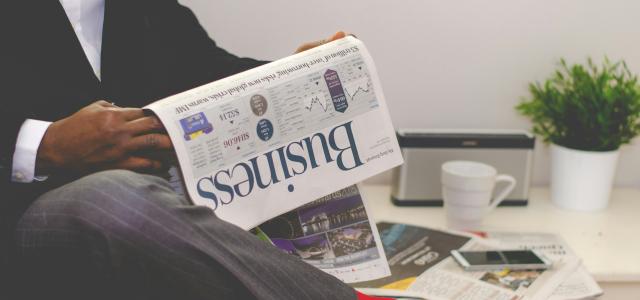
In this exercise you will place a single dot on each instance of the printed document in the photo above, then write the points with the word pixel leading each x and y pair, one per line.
pixel 263 142
pixel 263 145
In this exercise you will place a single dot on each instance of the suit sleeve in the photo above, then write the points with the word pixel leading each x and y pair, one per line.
pixel 13 84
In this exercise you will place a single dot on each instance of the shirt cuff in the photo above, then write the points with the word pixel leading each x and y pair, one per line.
pixel 27 144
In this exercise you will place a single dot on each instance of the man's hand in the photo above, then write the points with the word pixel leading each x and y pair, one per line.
pixel 338 35
pixel 102 136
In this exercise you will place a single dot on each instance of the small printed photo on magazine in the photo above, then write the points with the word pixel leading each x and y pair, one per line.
pixel 313 247
pixel 512 280
pixel 323 216
pixel 352 239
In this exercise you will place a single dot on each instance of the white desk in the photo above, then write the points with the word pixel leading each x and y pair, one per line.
pixel 608 241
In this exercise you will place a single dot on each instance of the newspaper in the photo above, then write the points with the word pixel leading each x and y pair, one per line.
pixel 266 141
pixel 579 285
pixel 334 234
pixel 260 146
pixel 448 280
pixel 445 279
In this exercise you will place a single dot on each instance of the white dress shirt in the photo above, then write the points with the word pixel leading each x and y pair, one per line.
pixel 87 19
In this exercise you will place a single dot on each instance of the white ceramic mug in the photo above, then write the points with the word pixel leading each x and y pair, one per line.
pixel 467 189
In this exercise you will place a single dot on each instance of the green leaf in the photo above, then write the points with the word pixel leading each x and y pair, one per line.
pixel 594 108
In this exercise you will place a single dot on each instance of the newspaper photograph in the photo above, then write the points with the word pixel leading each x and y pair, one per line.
pixel 263 142
pixel 334 234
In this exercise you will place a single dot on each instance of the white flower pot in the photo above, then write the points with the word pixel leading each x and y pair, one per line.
pixel 582 180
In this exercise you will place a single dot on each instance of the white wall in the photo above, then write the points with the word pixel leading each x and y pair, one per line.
pixel 447 63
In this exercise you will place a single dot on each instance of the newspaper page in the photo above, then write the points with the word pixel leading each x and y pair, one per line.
pixel 263 142
pixel 334 234
pixel 421 265
pixel 579 285
pixel 447 280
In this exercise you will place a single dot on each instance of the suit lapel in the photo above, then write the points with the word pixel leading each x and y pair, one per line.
pixel 52 45
pixel 122 52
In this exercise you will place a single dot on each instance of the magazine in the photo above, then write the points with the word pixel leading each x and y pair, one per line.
pixel 334 234
pixel 411 251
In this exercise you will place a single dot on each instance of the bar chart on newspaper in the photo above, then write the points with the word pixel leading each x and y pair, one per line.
pixel 317 100
pixel 297 129
pixel 306 103
pixel 280 113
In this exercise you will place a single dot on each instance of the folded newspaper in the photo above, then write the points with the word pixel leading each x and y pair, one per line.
pixel 265 142
pixel 579 285
pixel 421 267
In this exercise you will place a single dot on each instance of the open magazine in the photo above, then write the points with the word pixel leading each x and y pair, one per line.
pixel 411 251
pixel 264 144
pixel 334 234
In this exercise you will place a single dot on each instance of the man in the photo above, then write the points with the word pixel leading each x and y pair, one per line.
pixel 80 220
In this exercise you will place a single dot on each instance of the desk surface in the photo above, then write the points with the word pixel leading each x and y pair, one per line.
pixel 607 241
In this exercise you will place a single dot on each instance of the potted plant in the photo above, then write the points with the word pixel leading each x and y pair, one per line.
pixel 586 113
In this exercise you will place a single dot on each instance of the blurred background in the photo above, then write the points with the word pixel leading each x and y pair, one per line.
pixel 446 64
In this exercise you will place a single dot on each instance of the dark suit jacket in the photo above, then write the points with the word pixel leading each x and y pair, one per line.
pixel 151 49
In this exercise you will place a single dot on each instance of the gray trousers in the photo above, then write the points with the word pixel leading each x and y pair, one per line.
pixel 123 235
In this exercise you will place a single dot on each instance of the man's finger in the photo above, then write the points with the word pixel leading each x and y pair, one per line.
pixel 338 35
pixel 103 103
pixel 155 141
pixel 160 155
pixel 138 164
pixel 130 113
pixel 144 125
pixel 310 45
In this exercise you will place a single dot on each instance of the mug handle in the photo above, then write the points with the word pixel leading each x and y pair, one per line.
pixel 503 194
